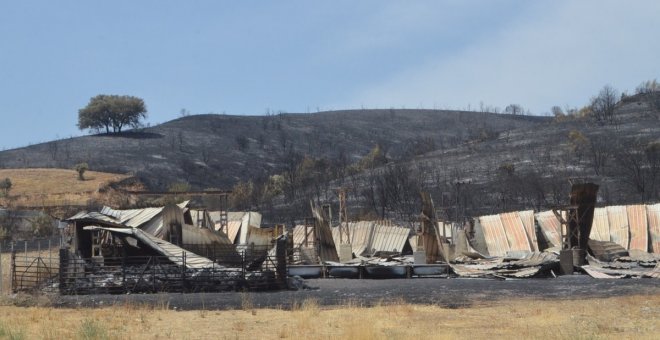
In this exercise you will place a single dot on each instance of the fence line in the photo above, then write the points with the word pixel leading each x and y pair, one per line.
pixel 70 274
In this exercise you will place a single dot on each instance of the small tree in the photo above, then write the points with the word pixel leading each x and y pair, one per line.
pixel 81 168
pixel 5 186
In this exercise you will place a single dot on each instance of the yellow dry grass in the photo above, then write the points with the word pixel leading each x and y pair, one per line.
pixel 48 187
pixel 611 318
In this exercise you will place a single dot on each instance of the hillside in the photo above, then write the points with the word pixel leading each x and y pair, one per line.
pixel 472 163
pixel 54 187
pixel 217 151
pixel 523 168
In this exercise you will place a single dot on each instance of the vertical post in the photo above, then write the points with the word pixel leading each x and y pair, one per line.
pixel 1 269
pixel 12 271
pixel 123 271
pixel 183 272
pixel 50 257
pixel 64 263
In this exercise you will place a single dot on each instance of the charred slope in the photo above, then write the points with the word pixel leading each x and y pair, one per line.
pixel 524 168
pixel 216 151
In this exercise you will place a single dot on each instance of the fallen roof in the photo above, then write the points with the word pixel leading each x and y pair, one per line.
pixel 624 267
pixel 173 252
pixel 531 265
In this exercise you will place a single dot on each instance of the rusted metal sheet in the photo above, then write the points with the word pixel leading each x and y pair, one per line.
pixel 653 218
pixel 326 244
pixel 619 230
pixel 532 264
pixel 527 218
pixel 606 250
pixel 550 227
pixel 600 229
pixel 496 240
pixel 638 227
pixel 515 232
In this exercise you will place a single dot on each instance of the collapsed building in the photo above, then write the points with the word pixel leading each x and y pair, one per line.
pixel 178 248
pixel 170 248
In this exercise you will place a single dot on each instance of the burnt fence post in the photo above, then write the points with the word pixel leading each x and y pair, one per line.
pixel 64 269
pixel 12 271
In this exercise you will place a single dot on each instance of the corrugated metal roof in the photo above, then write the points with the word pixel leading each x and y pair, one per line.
pixel 549 227
pixel 496 240
pixel 638 227
pixel 618 218
pixel 527 218
pixel 653 218
pixel 600 227
pixel 515 232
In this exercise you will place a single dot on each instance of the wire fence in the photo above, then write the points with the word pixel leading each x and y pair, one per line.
pixel 37 244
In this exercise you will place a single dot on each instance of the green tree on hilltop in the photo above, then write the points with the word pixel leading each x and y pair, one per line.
pixel 111 111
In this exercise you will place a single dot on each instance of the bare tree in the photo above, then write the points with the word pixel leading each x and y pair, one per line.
pixel 602 106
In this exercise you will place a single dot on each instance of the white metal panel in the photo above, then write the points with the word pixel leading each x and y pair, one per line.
pixel 619 230
pixel 600 227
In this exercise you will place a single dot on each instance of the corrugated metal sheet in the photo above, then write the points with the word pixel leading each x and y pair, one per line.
pixel 164 248
pixel 368 237
pixel 600 227
pixel 326 244
pixel 549 227
pixel 639 239
pixel 515 232
pixel 299 236
pixel 389 238
pixel 653 218
pixel 618 218
pixel 360 233
pixel 527 218
pixel 496 239
pixel 532 264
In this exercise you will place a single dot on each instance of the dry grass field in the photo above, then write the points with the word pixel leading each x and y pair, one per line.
pixel 48 187
pixel 611 318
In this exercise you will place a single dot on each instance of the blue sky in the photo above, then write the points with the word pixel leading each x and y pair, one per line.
pixel 244 57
